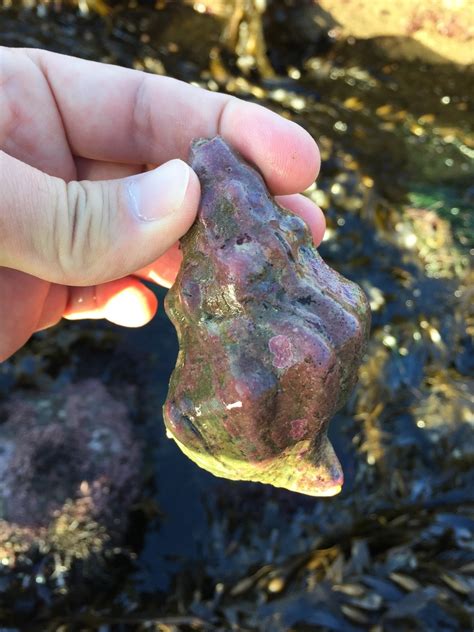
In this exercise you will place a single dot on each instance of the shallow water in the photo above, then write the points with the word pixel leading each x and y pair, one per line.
pixel 395 549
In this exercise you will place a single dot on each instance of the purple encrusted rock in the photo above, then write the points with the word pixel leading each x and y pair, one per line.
pixel 69 471
pixel 270 337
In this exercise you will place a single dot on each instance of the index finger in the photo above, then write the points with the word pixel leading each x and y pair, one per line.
pixel 120 115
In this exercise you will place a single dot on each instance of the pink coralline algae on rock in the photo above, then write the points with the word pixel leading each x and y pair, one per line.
pixel 270 337
pixel 69 471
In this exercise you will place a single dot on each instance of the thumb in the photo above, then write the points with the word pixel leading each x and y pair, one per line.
pixel 85 233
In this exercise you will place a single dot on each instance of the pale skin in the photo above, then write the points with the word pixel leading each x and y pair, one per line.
pixel 71 247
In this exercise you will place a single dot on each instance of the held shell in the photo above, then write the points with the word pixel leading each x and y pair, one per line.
pixel 270 337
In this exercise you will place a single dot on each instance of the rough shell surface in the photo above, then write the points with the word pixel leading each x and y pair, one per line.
pixel 270 337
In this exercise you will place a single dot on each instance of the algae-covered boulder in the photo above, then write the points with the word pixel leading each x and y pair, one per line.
pixel 270 337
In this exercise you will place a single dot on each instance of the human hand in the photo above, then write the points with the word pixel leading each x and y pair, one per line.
pixel 94 190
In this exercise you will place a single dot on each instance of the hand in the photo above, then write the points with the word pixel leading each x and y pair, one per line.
pixel 94 190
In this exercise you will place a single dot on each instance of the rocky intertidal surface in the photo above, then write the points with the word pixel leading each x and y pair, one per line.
pixel 69 473
pixel 270 337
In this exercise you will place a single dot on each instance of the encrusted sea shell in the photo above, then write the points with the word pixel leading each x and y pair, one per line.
pixel 270 337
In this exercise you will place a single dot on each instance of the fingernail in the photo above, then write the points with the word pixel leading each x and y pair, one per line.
pixel 157 193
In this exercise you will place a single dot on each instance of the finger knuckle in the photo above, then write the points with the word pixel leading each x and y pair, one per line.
pixel 141 113
pixel 81 232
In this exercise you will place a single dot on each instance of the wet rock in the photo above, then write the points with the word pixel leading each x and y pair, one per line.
pixel 433 30
pixel 270 336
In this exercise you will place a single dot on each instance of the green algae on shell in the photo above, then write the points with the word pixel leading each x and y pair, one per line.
pixel 270 337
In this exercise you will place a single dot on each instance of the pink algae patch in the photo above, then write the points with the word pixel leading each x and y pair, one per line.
pixel 298 428
pixel 282 351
